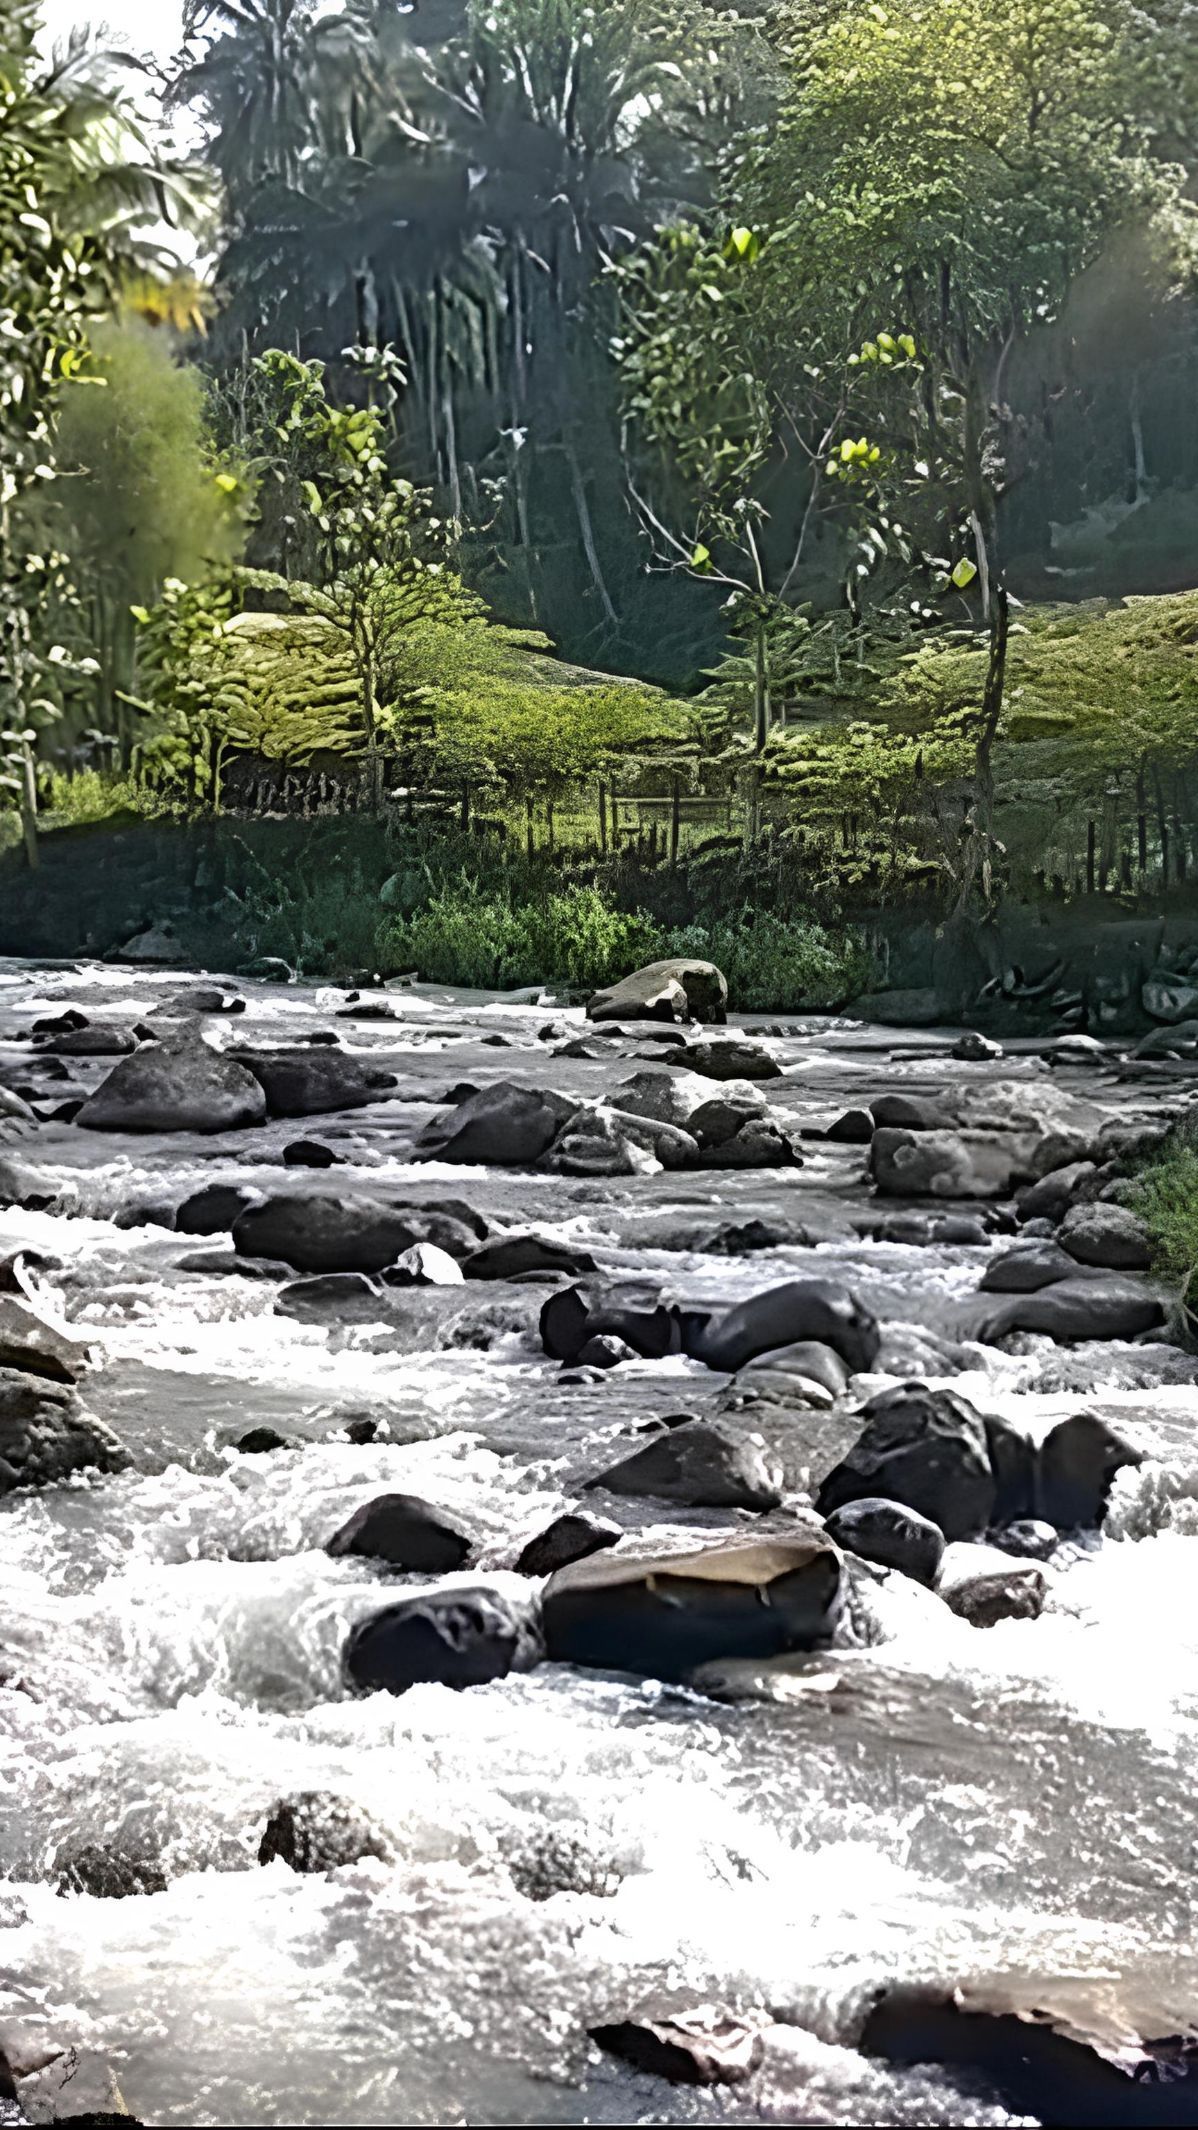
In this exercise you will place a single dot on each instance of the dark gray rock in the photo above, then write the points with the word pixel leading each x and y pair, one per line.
pixel 1109 1236
pixel 1026 1269
pixel 559 1860
pixel 934 1230
pixel 29 1343
pixel 403 1532
pixel 854 1128
pixel 662 1616
pixel 1077 1462
pixel 98 1039
pixel 722 1116
pixel 454 1638
pixel 311 1083
pixel 1007 1594
pixel 204 998
pixel 333 1297
pixel 1051 1198
pixel 891 1536
pixel 46 1435
pixel 745 1237
pixel 1029 1539
pixel 510 1256
pixel 261 1442
pixel 316 1832
pixel 109 1874
pixel 786 1375
pixel 213 1210
pixel 973 1048
pixel 268 969
pixel 574 1315
pixel 572 1537
pixel 760 1143
pixel 796 1310
pixel 924 1448
pixel 321 1232
pixel 604 1351
pixel 950 1164
pixel 309 1154
pixel 180 1086
pixel 677 990
pixel 1093 1307
pixel 503 1126
pixel 726 1057
pixel 698 1466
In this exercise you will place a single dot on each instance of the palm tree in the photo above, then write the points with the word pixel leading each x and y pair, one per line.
pixel 253 83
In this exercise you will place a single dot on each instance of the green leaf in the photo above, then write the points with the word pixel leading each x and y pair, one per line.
pixel 964 573
pixel 701 557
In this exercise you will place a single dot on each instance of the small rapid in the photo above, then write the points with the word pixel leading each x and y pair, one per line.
pixel 921 1802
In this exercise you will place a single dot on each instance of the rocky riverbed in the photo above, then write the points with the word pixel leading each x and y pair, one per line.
pixel 334 1328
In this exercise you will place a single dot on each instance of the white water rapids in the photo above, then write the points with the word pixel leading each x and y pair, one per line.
pixel 946 1804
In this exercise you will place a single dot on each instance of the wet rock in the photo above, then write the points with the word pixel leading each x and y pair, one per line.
pixel 1057 2078
pixel 109 1874
pixel 370 1009
pixel 333 1297
pixel 676 990
pixel 510 1256
pixel 1169 999
pixel 723 1057
pixel 1179 1042
pixel 662 1096
pixel 662 1616
pixel 1076 1050
pixel 1010 1594
pixel 155 943
pixel 925 1449
pixel 309 1154
pixel 949 1164
pixel 403 1532
pixel 261 1442
pixel 1030 1538
pixel 574 1315
pixel 454 1638
pixel 804 1373
pixel 503 1126
pixel 972 1048
pixel 915 1008
pixel 890 1536
pixel 60 1023
pixel 213 1210
pixel 599 1141
pixel 1026 1269
pixel 178 1086
pixel 95 1040
pixel 1083 1308
pixel 327 1233
pixel 1013 1463
pixel 311 1083
pixel 760 1143
pixel 798 1309
pixel 46 1435
pixel 745 1237
pixel 1075 1467
pixel 1109 1236
pixel 317 1832
pixel 934 1230
pixel 29 1343
pixel 572 1537
pixel 55 2084
pixel 701 2048
pixel 854 1128
pixel 698 1466
pixel 268 969
pixel 605 1351
pixel 424 1265
pixel 204 998
pixel 1051 1198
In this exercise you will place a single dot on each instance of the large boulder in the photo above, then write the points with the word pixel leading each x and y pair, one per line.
pixel 39 1348
pixel 178 1086
pixel 797 1310
pixel 1026 1269
pixel 327 1233
pixel 599 1141
pixel 757 1143
pixel 698 1466
pixel 574 1315
pixel 46 1435
pixel 907 1163
pixel 807 1372
pixel 97 1039
pixel 662 1616
pixel 403 1532
pixel 311 1082
pixel 1169 999
pixel 1052 1196
pixel 1070 1309
pixel 725 1057
pixel 515 1256
pixel 213 1210
pixel 458 1638
pixel 503 1126
pixel 677 990
pixel 718 1118
pixel 926 1449
pixel 663 1096
pixel 1109 1236
pixel 889 1535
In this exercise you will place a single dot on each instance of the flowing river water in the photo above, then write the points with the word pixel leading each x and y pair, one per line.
pixel 933 1803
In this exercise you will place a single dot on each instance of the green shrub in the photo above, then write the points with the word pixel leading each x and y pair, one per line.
pixel 777 964
pixel 463 936
pixel 1166 1200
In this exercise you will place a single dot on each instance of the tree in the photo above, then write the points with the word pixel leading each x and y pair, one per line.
pixel 942 173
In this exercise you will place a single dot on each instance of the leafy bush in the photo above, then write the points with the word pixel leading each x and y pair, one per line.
pixel 777 964
pixel 1166 1200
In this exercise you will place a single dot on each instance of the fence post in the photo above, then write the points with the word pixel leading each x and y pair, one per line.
pixel 603 817
pixel 675 819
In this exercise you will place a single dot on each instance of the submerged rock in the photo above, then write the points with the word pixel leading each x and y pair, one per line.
pixel 317 1832
pixel 924 1448
pixel 213 1210
pixel 575 1315
pixel 572 1537
pixel 1026 1269
pixel 403 1532
pixel 1008 1594
pixel 1078 1308
pixel 701 2048
pixel 503 1126
pixel 327 1233
pixel 798 1309
pixel 336 1297
pixel 179 1086
pixel 108 1873
pixel 509 1256
pixel 454 1638
pixel 662 1616
pixel 677 990
pixel 698 1466
pixel 1075 1467
pixel 311 1082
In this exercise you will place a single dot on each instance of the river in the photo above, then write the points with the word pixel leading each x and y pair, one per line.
pixel 944 1804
